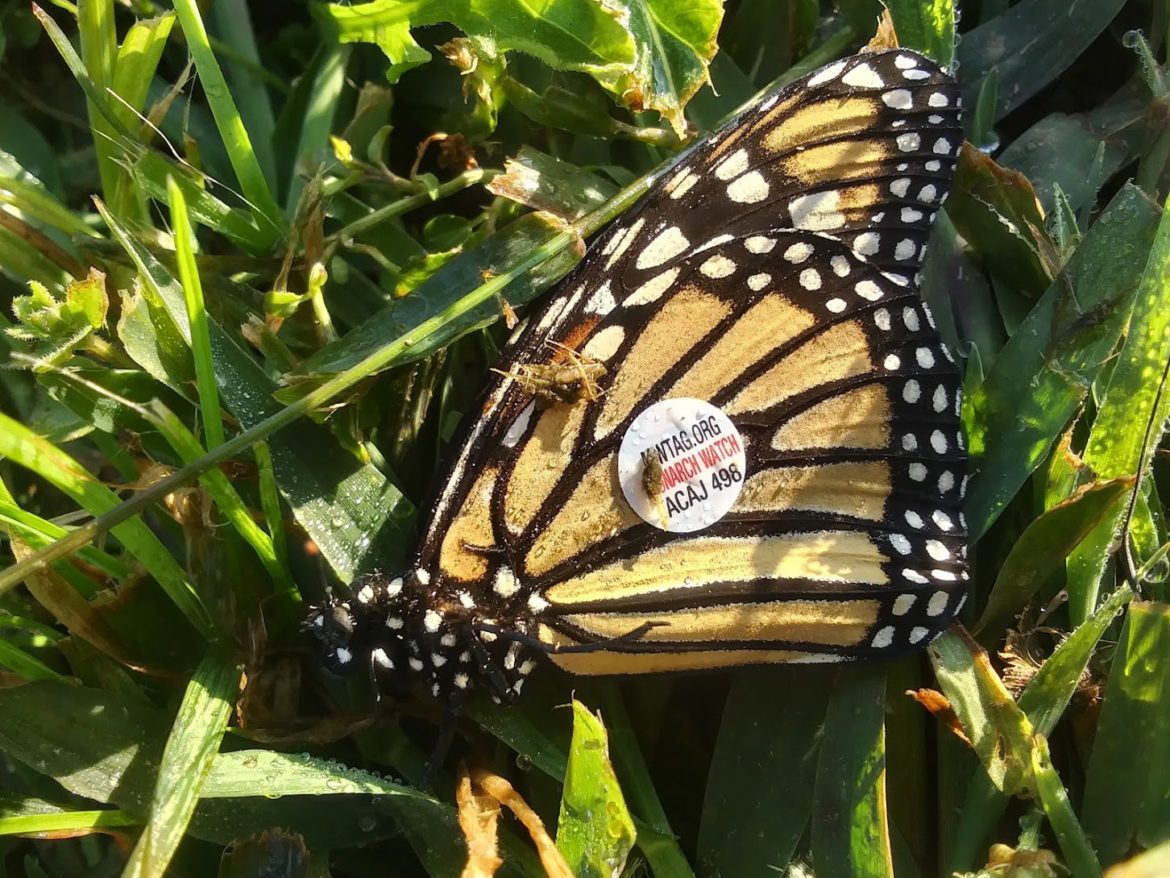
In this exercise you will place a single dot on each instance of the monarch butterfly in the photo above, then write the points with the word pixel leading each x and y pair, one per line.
pixel 730 437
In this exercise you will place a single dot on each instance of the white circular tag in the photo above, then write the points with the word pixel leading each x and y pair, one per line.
pixel 699 470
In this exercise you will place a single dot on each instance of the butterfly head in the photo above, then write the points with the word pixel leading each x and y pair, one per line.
pixel 404 633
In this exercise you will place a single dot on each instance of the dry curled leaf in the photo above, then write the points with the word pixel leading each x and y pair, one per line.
pixel 940 706
pixel 479 817
pixel 503 792
pixel 885 37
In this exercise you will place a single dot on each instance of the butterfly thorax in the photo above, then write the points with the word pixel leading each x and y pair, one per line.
pixel 406 631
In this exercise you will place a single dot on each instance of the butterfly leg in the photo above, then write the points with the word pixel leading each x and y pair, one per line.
pixel 447 727
pixel 540 646
pixel 630 636
pixel 489 667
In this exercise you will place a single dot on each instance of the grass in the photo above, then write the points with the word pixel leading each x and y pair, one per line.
pixel 248 296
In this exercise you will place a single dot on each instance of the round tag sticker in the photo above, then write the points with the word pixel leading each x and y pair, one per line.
pixel 681 464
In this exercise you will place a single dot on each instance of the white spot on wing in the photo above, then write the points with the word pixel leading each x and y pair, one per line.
pixel 732 166
pixel 817 211
pixel 653 289
pixel 666 245
pixel 902 604
pixel 748 189
pixel 622 242
pixel 714 242
pixel 898 99
pixel 867 243
pixel 908 142
pixel 863 76
pixel 883 638
pixel 685 181
pixel 718 266
pixel 830 72
pixel 798 252
pixel 601 302
pixel 519 426
pixel 505 585
pixel 604 344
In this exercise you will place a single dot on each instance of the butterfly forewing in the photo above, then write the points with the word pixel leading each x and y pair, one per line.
pixel 863 149
pixel 771 274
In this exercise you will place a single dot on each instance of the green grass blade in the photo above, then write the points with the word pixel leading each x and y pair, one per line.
pixel 1042 374
pixel 850 829
pixel 1047 694
pixel 32 200
pixel 310 465
pixel 270 504
pixel 1074 844
pixel 655 838
pixel 107 748
pixel 63 822
pixel 927 26
pixel 232 23
pixel 227 500
pixel 196 316
pixel 1131 417
pixel 1044 701
pixel 1045 543
pixel 1031 44
pixel 38 532
pixel 154 172
pixel 317 125
pixel 760 788
pixel 594 832
pixel 25 448
pixel 227 118
pixel 1129 768
pixel 99 52
pixel 20 662
pixel 997 730
pixel 193 743
pixel 1013 754
pixel 138 58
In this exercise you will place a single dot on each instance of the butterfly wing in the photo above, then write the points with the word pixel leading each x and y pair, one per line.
pixel 770 276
